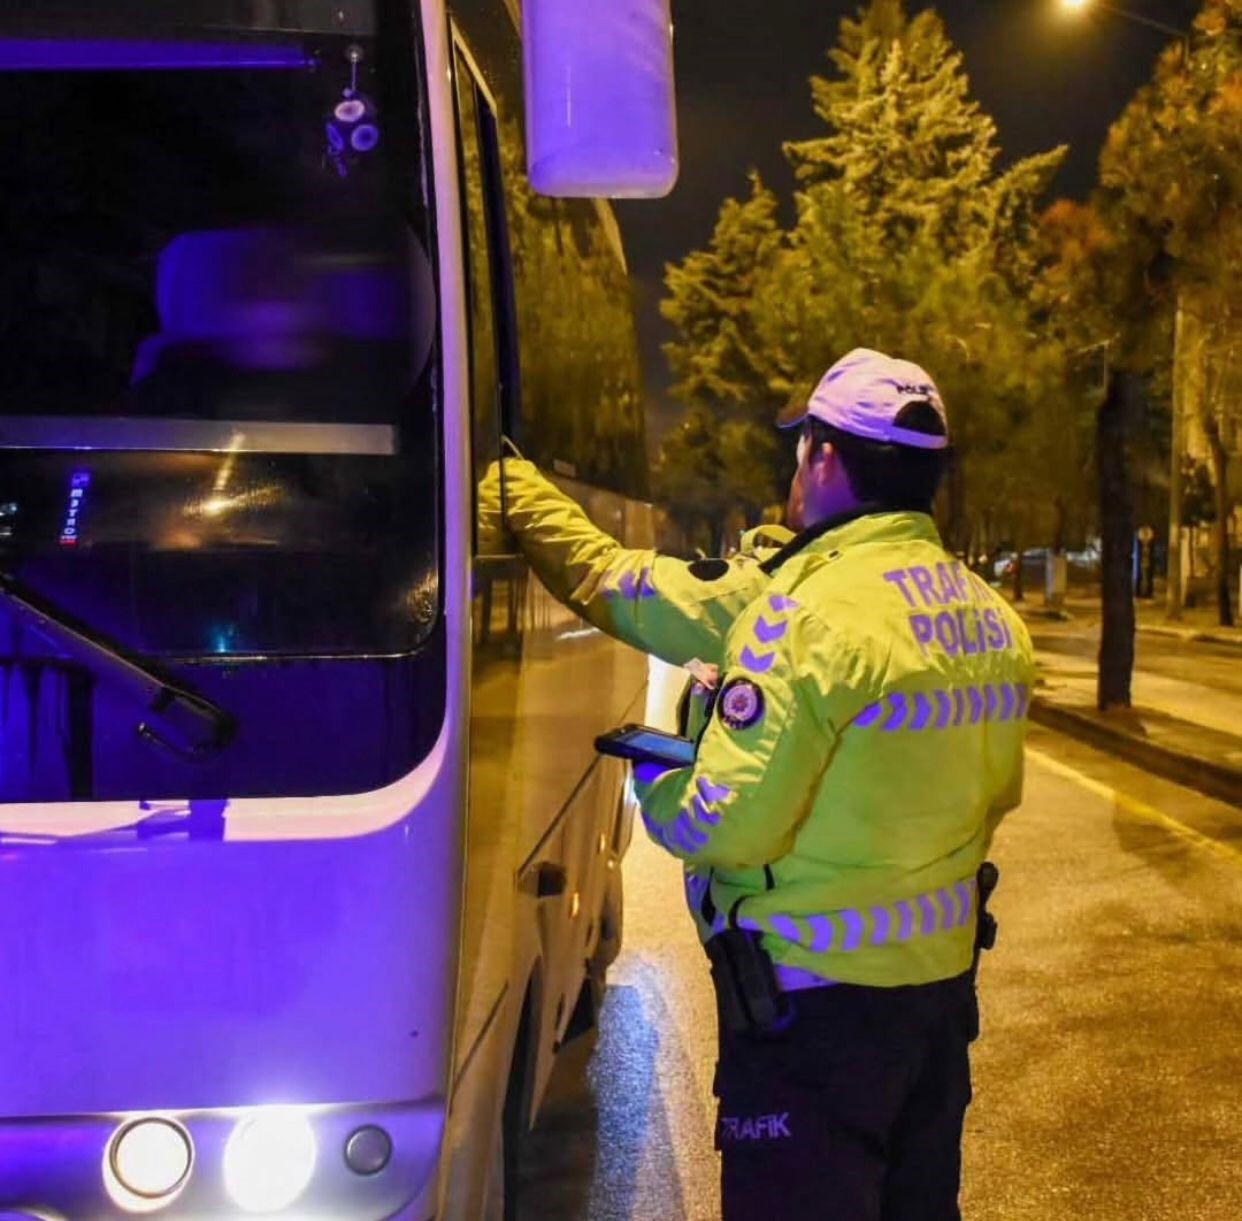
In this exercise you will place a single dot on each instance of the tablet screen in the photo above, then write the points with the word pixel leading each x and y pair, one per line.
pixel 661 746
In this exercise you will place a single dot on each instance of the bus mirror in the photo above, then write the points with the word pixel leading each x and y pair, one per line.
pixel 600 115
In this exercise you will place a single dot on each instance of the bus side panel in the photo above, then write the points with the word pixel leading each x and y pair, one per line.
pixel 543 808
pixel 577 684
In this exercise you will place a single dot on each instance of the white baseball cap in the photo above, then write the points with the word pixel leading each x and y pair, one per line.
pixel 864 393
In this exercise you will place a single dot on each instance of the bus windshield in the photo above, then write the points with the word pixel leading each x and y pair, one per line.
pixel 217 394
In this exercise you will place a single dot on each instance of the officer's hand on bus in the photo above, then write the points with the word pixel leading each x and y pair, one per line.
pixel 493 538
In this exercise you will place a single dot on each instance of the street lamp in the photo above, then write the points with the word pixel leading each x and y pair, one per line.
pixel 1081 6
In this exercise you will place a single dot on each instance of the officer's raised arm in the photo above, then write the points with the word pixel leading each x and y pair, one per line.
pixel 665 606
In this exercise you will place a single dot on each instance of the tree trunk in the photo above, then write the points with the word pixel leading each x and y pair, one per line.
pixel 1173 575
pixel 1019 588
pixel 1220 527
pixel 1058 525
pixel 1116 662
pixel 957 503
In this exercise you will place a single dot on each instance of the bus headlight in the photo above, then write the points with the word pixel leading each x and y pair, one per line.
pixel 147 1164
pixel 269 1160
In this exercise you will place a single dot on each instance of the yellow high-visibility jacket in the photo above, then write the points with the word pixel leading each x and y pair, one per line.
pixel 866 740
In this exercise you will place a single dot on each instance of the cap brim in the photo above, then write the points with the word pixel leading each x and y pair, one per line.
pixel 795 411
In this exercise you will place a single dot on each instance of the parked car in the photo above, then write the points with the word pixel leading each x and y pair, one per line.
pixel 1083 566
pixel 1033 561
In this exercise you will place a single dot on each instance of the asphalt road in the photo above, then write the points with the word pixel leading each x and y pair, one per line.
pixel 1108 1081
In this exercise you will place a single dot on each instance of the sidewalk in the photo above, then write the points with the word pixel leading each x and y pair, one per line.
pixel 1198 624
pixel 1182 697
pixel 1186 751
pixel 1186 722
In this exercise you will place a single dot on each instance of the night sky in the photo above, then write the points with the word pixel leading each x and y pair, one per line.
pixel 743 68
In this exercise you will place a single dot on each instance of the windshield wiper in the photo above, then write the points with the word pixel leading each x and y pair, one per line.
pixel 175 718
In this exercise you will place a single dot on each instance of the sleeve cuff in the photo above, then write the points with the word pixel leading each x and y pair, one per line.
pixel 647 773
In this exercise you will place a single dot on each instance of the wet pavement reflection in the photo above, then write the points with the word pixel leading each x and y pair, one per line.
pixel 626 1130
pixel 1106 1081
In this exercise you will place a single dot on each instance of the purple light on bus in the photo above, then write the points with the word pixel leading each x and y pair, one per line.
pixel 126 55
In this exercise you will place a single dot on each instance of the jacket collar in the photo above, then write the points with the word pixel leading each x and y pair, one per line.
pixel 870 522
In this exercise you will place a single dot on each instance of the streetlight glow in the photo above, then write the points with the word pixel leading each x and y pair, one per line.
pixel 1080 6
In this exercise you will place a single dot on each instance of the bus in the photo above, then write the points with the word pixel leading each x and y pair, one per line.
pixel 307 866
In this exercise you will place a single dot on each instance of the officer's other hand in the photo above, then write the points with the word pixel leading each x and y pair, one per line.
pixel 705 674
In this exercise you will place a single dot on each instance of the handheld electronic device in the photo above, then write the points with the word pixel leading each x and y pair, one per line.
pixel 642 744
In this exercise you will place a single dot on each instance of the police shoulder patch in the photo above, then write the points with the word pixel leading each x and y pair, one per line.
pixel 740 704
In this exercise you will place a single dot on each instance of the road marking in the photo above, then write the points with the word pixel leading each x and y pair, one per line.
pixel 1139 809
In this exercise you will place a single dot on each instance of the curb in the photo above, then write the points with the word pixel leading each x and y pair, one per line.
pixel 1190 635
pixel 1207 776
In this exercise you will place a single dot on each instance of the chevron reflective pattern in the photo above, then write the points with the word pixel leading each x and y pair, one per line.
pixel 849 929
pixel 630 587
pixel 767 629
pixel 712 792
pixel 756 663
pixel 689 831
pixel 946 708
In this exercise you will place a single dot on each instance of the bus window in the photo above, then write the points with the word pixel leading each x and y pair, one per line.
pixel 581 410
pixel 484 388
pixel 496 758
pixel 219 432
pixel 500 579
pixel 217 322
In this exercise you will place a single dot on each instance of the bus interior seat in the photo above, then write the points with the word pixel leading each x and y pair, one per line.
pixel 248 315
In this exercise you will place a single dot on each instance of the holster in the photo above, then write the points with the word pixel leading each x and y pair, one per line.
pixel 747 997
pixel 985 935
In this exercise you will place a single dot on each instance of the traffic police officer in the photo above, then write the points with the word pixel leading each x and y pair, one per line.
pixel 865 741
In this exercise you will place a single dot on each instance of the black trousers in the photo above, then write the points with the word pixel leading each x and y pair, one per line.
pixel 854 1113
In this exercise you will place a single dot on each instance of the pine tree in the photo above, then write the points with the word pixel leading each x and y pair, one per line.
pixel 911 240
pixel 908 238
pixel 688 479
pixel 905 139
pixel 721 370
pixel 716 357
